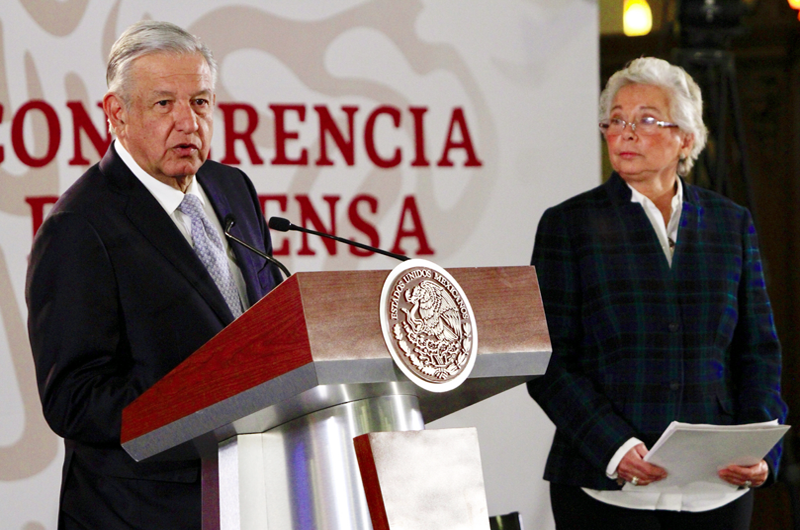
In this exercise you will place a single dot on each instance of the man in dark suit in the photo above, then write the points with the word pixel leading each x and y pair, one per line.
pixel 130 274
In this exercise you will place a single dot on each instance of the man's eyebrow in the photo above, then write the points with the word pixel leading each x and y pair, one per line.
pixel 169 93
pixel 163 93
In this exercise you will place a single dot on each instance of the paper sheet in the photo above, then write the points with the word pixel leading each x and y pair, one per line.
pixel 692 454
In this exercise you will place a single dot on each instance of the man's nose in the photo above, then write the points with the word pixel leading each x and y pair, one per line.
pixel 185 117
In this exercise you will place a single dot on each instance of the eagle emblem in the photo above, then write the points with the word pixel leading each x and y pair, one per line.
pixel 432 312
pixel 428 325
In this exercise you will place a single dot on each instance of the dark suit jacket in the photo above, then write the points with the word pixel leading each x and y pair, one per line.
pixel 117 298
pixel 637 344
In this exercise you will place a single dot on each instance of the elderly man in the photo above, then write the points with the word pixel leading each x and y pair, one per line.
pixel 131 273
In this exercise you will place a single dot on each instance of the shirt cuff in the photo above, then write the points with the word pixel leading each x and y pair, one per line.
pixel 611 470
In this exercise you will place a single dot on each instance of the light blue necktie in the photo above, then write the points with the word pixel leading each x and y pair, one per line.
pixel 209 248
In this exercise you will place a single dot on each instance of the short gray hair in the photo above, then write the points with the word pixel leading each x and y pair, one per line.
pixel 147 37
pixel 686 100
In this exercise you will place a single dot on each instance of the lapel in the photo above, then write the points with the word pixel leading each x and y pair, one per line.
pixel 689 226
pixel 149 218
pixel 247 260
pixel 636 227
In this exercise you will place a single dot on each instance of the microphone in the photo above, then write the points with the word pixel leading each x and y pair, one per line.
pixel 230 220
pixel 284 225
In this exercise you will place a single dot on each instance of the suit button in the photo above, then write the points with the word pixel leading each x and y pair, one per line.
pixel 674 326
pixel 674 386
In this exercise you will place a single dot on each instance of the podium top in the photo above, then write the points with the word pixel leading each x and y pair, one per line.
pixel 316 341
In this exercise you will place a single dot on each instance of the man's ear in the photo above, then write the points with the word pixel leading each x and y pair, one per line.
pixel 115 112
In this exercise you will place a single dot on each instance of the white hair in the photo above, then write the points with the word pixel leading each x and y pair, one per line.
pixel 144 38
pixel 685 99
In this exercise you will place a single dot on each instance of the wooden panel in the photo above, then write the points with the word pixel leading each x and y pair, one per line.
pixel 508 308
pixel 266 341
pixel 344 323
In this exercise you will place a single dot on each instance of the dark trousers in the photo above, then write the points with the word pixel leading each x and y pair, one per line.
pixel 93 501
pixel 575 510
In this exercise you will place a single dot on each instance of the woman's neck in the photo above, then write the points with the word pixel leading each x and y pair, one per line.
pixel 661 192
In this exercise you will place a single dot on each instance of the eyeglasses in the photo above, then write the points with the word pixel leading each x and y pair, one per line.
pixel 646 126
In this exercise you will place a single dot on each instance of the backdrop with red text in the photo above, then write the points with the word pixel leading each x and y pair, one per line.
pixel 440 129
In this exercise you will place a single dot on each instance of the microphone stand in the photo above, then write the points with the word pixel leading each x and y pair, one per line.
pixel 229 222
pixel 284 225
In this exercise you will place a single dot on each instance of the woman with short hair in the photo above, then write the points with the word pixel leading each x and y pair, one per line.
pixel 657 311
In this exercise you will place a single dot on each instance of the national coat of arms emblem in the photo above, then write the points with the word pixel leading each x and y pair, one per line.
pixel 428 325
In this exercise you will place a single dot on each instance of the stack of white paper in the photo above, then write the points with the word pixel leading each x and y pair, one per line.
pixel 692 454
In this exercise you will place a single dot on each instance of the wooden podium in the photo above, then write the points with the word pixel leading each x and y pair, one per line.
pixel 271 404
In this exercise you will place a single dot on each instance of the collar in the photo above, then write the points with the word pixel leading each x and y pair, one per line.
pixel 618 190
pixel 620 193
pixel 168 197
pixel 677 199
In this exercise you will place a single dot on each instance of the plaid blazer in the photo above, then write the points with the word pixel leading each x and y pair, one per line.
pixel 637 344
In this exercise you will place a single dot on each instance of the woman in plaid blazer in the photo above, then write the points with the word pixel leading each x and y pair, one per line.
pixel 658 311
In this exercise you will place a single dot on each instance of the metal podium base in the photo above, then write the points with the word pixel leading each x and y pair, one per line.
pixel 303 475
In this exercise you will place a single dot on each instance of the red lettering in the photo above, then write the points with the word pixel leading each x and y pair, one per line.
pixel 37 209
pixel 369 137
pixel 328 126
pixel 465 143
pixel 246 136
pixel 18 138
pixel 309 214
pixel 415 231
pixel 419 137
pixel 362 225
pixel 282 203
pixel 282 135
pixel 241 121
pixel 81 121
pixel 359 212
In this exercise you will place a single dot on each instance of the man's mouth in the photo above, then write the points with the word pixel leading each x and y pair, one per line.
pixel 185 149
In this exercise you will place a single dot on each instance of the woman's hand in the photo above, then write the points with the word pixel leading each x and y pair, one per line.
pixel 747 476
pixel 638 472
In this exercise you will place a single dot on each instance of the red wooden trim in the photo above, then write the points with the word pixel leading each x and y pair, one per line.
pixel 371 482
pixel 267 341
